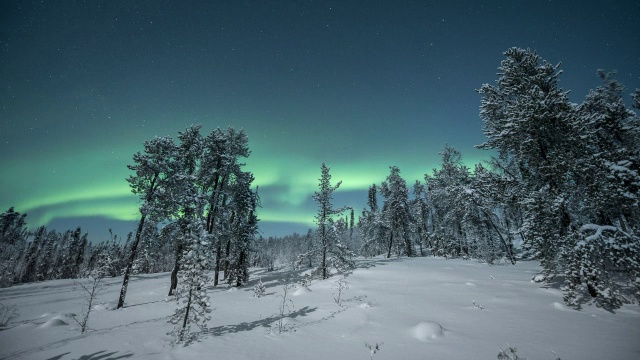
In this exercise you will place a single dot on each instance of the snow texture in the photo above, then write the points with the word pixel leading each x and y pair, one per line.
pixel 420 308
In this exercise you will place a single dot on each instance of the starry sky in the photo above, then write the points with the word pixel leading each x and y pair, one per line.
pixel 360 85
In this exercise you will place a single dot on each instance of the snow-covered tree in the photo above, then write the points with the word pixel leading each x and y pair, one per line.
pixel 527 116
pixel 13 233
pixel 244 226
pixel 571 174
pixel 152 168
pixel 396 213
pixel 445 187
pixel 331 252
pixel 191 295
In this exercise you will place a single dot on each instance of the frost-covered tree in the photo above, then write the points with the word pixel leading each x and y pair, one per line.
pixel 396 213
pixel 609 173
pixel 191 295
pixel 152 168
pixel 444 187
pixel 529 117
pixel 329 249
pixel 244 226
pixel 29 273
pixel 90 287
pixel 371 225
pixel 13 232
pixel 570 173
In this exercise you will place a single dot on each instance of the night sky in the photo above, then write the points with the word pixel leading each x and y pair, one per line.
pixel 360 85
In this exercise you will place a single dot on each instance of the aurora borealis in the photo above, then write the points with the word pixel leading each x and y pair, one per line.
pixel 358 85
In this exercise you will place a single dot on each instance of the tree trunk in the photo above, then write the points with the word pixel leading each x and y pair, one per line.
pixel 186 313
pixel 132 257
pixel 134 247
pixel 176 268
pixel 323 234
pixel 216 274
pixel 226 259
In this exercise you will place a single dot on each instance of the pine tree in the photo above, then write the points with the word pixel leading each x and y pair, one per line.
pixel 244 228
pixel 13 233
pixel 396 211
pixel 152 168
pixel 446 184
pixel 191 295
pixel 29 273
pixel 328 248
pixel 527 116
pixel 372 226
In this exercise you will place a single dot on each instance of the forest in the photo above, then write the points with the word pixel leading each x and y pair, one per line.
pixel 562 189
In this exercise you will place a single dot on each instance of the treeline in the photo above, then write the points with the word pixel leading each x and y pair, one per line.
pixel 42 254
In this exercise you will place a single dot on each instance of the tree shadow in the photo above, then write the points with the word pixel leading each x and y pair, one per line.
pixel 373 262
pixel 248 326
pixel 283 277
pixel 104 355
pixel 58 357
pixel 149 302
pixel 99 355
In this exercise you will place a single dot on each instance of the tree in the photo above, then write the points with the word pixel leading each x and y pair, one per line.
pixel 328 247
pixel 572 174
pixel 445 186
pixel 527 116
pixel 191 295
pixel 396 211
pixel 244 227
pixel 13 232
pixel 29 273
pixel 152 168
pixel 90 290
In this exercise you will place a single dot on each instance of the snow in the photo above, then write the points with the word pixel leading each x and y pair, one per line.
pixel 598 232
pixel 416 308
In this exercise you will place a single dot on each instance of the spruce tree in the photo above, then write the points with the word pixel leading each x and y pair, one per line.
pixel 328 247
pixel 396 212
pixel 191 295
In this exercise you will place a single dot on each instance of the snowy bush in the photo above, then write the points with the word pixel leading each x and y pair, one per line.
pixel 588 270
pixel 284 308
pixel 340 285
pixel 90 289
pixel 7 313
pixel 259 289
pixel 373 349
pixel 511 354
pixel 306 281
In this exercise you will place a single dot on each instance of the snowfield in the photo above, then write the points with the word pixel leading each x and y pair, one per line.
pixel 420 308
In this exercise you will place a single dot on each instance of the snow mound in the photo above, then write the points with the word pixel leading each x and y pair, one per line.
pixel 559 306
pixel 469 283
pixel 301 291
pixel 53 322
pixel 233 289
pixel 426 331
pixel 365 306
pixel 539 278
pixel 111 305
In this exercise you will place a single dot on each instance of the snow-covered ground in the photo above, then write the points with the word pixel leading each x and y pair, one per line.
pixel 422 308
